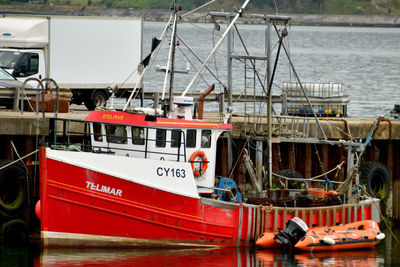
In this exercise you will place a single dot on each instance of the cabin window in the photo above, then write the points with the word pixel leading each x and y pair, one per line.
pixel 175 138
pixel 116 134
pixel 97 132
pixel 160 137
pixel 191 138
pixel 137 135
pixel 206 138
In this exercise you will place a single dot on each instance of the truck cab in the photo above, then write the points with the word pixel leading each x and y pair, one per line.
pixel 23 64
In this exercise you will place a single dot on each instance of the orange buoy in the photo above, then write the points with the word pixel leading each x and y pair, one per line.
pixel 318 193
pixel 362 234
pixel 37 209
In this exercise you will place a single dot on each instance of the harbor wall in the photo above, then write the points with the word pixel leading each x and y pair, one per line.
pixel 25 131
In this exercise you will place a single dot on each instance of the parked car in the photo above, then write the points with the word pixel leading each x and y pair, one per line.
pixel 8 85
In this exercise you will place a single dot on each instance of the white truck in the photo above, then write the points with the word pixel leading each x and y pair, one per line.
pixel 88 55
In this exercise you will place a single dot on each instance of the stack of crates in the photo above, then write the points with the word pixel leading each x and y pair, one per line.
pixel 327 99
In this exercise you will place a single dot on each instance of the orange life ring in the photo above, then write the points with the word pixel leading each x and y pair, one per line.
pixel 203 162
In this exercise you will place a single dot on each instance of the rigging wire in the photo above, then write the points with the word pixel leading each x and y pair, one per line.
pixel 193 66
pixel 200 7
pixel 156 51
pixel 204 29
pixel 199 59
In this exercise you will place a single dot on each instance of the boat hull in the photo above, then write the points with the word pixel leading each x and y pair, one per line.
pixel 102 202
pixel 80 204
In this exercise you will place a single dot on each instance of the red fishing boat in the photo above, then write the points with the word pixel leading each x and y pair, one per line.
pixel 146 177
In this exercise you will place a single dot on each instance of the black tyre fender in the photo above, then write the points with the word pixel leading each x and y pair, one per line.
pixel 13 188
pixel 377 179
pixel 289 173
pixel 15 233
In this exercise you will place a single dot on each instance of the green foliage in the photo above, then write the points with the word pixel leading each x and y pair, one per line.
pixel 391 7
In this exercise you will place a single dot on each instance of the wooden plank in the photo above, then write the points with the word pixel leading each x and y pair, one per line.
pixel 275 157
pixel 291 157
pixel 258 222
pixel 327 211
pixel 311 219
pixel 308 161
pixel 349 214
pixel 355 213
pixel 389 160
pixel 320 217
pixel 275 220
pixel 284 219
pixel 325 156
pixel 372 152
pixel 334 216
pixel 262 221
pixel 362 212
pixel 343 221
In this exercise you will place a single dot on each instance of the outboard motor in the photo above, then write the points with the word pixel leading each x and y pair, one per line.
pixel 295 230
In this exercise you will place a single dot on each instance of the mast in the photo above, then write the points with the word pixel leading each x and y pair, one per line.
pixel 173 45
pixel 170 64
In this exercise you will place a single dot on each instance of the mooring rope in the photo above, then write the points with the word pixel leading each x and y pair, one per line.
pixel 312 178
pixel 15 161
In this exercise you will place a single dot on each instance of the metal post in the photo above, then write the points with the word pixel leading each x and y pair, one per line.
pixel 269 105
pixel 350 170
pixel 229 91
pixel 229 53
pixel 259 161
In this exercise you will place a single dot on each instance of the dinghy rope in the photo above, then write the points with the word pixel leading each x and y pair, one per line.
pixel 380 212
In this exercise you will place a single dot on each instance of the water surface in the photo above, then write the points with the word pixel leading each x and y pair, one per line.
pixel 364 60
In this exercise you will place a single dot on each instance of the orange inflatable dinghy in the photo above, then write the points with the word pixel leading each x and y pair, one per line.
pixel 267 240
pixel 363 234
pixel 295 230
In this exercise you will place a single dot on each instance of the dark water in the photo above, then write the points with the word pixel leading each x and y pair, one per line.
pixel 365 60
pixel 387 253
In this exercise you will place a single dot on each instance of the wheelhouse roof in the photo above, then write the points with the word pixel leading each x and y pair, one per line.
pixel 125 118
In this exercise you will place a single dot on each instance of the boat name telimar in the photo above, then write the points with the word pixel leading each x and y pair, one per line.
pixel 104 189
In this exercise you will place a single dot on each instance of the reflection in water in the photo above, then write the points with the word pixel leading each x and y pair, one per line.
pixel 206 257
pixel 356 258
pixel 140 257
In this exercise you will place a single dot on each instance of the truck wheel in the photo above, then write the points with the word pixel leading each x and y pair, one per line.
pixel 98 100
